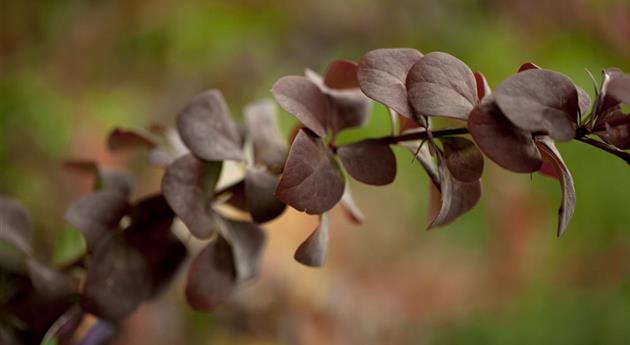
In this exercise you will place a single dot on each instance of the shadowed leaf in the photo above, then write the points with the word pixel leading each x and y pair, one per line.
pixel 312 181
pixel 61 332
pixel 567 208
pixel 312 252
pixel 463 159
pixel 369 161
pixel 260 187
pixel 188 186
pixel 270 148
pixel 247 241
pixel 540 101
pixel 206 127
pixel 302 98
pixel 616 131
pixel 349 109
pixel 342 74
pixel 15 225
pixel 47 280
pixel 382 74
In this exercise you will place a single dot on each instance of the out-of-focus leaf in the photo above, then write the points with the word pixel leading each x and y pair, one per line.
pixel 115 181
pixel 188 186
pixel 350 208
pixel 567 208
pixel 342 74
pixel 117 280
pixel 369 161
pixel 207 128
pixel 507 145
pixel 121 139
pixel 212 276
pixel 97 215
pixel 619 87
pixel 15 225
pixel 349 109
pixel 149 232
pixel 312 252
pixel 456 197
pixel 440 84
pixel 463 159
pixel 382 74
pixel 47 280
pixel 483 89
pixel 247 241
pixel 312 181
pixel 302 98
pixel 540 101
pixel 260 188
pixel 270 148
pixel 63 329
pixel 615 130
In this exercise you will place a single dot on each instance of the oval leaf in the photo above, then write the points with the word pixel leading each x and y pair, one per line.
pixel 462 158
pixel 342 74
pixel 206 127
pixel 540 101
pixel 312 181
pixel 440 84
pixel 270 149
pixel 369 161
pixel 382 74
pixel 260 187
pixel 188 186
pixel 312 252
pixel 350 109
pixel 552 156
pixel 302 98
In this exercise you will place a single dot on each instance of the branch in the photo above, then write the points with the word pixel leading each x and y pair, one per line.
pixel 605 147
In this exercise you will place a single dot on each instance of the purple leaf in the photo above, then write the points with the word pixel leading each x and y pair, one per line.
pixel 260 187
pixel 483 89
pixel 312 181
pixel 206 127
pixel 463 159
pixel 270 149
pixel 369 161
pixel 247 241
pixel 188 186
pixel 456 197
pixel 15 225
pixel 312 252
pixel 117 280
pixel 349 109
pixel 505 144
pixel 540 101
pixel 619 87
pixel 302 98
pixel 382 74
pixel 47 280
pixel 97 215
pixel 551 154
pixel 439 84
pixel 212 276
pixel 342 74
pixel 616 131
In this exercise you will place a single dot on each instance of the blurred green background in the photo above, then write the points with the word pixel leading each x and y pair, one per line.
pixel 71 70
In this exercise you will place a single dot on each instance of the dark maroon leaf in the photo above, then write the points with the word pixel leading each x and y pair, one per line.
pixel 97 215
pixel 212 276
pixel 121 139
pixel 349 109
pixel 439 84
pixel 188 186
pixel 369 161
pixel 456 197
pixel 483 89
pixel 540 101
pixel 302 98
pixel 117 280
pixel 527 66
pixel 342 74
pixel 312 181
pixel 350 208
pixel 15 225
pixel 619 87
pixel 505 144
pixel 47 280
pixel 382 74
pixel 617 132
pixel 270 148
pixel 312 252
pixel 260 188
pixel 551 154
pixel 247 241
pixel 463 159
pixel 207 128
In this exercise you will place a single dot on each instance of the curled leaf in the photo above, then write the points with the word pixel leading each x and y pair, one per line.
pixel 567 208
pixel 260 187
pixel 312 252
pixel 483 89
pixel 382 74
pixel 369 161
pixel 312 181
pixel 270 148
pixel 463 159
pixel 302 98
pixel 439 84
pixel 206 127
